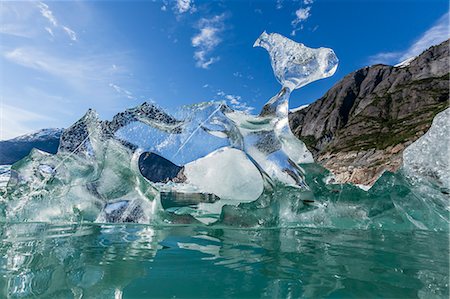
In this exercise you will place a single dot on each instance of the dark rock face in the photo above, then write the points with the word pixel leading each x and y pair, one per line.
pixel 157 169
pixel 13 150
pixel 361 126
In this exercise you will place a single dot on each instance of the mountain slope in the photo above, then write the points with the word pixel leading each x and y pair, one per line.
pixel 361 126
pixel 15 149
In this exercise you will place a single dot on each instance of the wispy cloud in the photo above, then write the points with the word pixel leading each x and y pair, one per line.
pixel 50 31
pixel 77 71
pixel 234 101
pixel 438 33
pixel 15 17
pixel 207 40
pixel 301 16
pixel 15 30
pixel 56 79
pixel 48 14
pixel 72 35
pixel 35 59
pixel 122 91
pixel 15 121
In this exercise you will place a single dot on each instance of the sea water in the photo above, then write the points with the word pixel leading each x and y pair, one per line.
pixel 39 260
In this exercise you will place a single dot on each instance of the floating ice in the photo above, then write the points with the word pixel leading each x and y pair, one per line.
pixel 429 156
pixel 145 163
pixel 227 173
pixel 5 173
pixel 294 64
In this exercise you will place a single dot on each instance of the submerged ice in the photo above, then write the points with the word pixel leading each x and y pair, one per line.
pixel 207 163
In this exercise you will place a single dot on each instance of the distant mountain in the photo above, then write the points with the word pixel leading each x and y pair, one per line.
pixel 15 149
pixel 361 126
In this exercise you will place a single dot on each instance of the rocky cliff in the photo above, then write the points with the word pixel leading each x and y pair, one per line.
pixel 361 126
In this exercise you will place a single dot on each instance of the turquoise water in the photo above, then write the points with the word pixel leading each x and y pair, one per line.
pixel 389 242
pixel 140 261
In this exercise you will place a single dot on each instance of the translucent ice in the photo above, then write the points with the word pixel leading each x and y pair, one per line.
pixel 217 156
pixel 294 64
pixel 227 173
pixel 5 171
pixel 429 156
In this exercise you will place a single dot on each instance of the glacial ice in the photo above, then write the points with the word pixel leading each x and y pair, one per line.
pixel 225 165
pixel 294 64
pixel 5 173
pixel 227 173
pixel 231 157
pixel 429 156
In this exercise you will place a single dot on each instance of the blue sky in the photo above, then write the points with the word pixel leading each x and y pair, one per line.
pixel 59 58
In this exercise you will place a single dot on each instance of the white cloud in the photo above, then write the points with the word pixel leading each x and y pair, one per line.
pixel 15 18
pixel 178 7
pixel 34 59
pixel 301 16
pixel 308 2
pixel 279 4
pixel 78 72
pixel 385 57
pixel 122 91
pixel 15 30
pixel 438 33
pixel 50 31
pixel 72 35
pixel 48 78
pixel 235 101
pixel 30 20
pixel 16 121
pixel 47 13
pixel 207 40
pixel 183 6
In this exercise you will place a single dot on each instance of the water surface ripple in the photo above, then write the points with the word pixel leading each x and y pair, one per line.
pixel 39 260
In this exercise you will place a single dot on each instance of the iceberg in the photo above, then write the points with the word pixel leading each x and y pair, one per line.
pixel 429 156
pixel 145 165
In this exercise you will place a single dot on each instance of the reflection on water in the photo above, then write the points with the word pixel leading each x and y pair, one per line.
pixel 137 261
